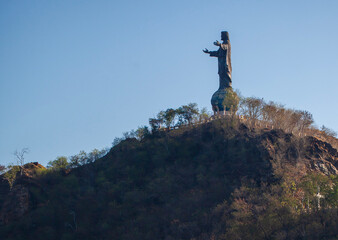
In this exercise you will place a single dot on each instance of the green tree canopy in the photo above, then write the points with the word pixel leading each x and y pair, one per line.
pixel 231 100
pixel 169 117
pixel 58 163
pixel 188 112
pixel 10 175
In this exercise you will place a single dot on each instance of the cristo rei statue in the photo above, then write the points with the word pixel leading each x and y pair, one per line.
pixel 224 71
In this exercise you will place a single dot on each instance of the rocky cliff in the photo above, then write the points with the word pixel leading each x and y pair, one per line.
pixel 17 202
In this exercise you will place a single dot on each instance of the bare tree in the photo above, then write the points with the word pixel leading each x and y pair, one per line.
pixel 20 158
pixel 293 119
pixel 305 121
pixel 269 112
pixel 252 108
pixel 328 132
pixel 204 115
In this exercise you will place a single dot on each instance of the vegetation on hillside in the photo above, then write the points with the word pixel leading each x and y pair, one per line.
pixel 229 178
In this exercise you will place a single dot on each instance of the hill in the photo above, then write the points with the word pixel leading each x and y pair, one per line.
pixel 218 180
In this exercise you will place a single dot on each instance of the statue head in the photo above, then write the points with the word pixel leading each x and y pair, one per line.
pixel 225 36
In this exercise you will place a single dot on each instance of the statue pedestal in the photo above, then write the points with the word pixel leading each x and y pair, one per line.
pixel 217 100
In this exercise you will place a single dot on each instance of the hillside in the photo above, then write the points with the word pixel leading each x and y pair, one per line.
pixel 218 180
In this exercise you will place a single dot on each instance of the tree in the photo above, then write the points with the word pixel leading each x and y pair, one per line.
pixel 130 134
pixel 286 119
pixel 332 195
pixel 58 163
pixel 155 124
pixel 142 132
pixel 328 132
pixel 169 117
pixel 160 118
pixel 293 118
pixel 79 159
pixel 188 112
pixel 315 185
pixel 10 175
pixel 204 115
pixel 252 108
pixel 269 112
pixel 74 161
pixel 306 120
pixel 83 157
pixel 20 157
pixel 231 101
pixel 95 154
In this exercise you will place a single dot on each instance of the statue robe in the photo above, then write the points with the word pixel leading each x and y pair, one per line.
pixel 224 65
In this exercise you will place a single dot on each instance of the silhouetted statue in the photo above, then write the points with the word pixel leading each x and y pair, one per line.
pixel 224 60
pixel 224 71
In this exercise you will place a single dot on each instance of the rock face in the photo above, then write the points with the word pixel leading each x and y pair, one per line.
pixel 322 156
pixel 308 154
pixel 29 169
pixel 17 201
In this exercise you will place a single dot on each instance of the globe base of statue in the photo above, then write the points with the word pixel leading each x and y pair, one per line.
pixel 217 101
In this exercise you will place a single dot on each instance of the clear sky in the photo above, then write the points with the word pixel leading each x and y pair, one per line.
pixel 76 74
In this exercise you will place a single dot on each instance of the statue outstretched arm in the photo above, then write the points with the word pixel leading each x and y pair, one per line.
pixel 212 53
pixel 206 50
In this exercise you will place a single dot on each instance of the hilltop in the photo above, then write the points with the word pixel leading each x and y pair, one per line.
pixel 223 179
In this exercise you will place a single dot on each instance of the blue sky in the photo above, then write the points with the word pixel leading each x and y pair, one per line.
pixel 76 74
